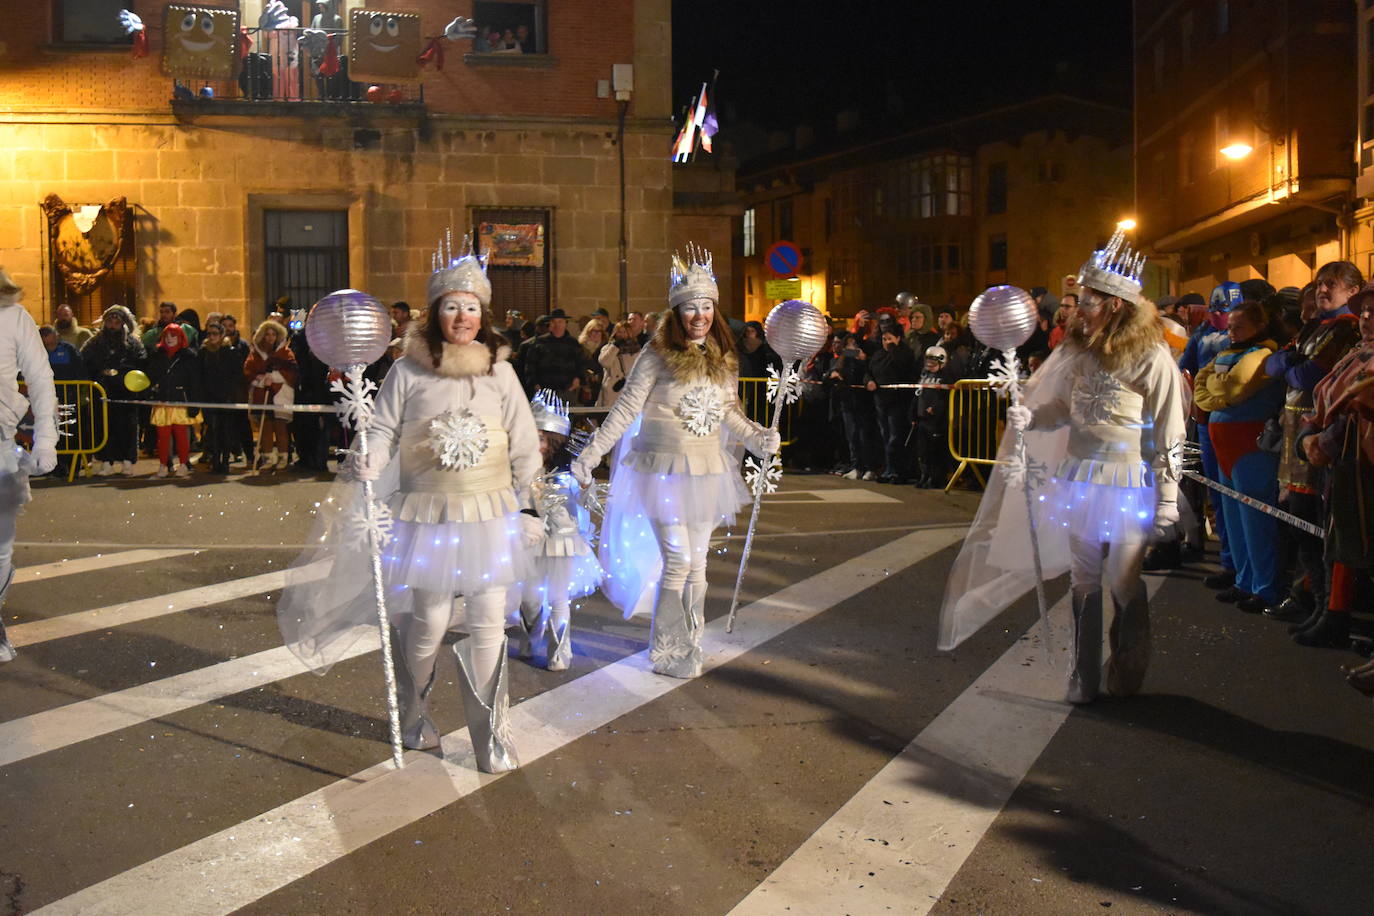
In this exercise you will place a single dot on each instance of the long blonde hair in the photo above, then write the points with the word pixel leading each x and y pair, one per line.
pixel 1129 334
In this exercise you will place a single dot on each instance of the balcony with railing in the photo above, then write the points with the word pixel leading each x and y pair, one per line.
pixel 280 75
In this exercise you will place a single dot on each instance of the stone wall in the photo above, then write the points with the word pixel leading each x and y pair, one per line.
pixel 199 192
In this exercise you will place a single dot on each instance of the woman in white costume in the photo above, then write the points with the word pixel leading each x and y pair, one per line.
pixel 21 350
pixel 453 431
pixel 674 476
pixel 1103 417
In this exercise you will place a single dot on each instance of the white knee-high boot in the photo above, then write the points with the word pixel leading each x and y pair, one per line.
pixel 558 635
pixel 7 652
pixel 482 679
pixel 421 637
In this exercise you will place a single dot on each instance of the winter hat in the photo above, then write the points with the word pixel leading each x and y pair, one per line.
pixel 10 292
pixel 1191 299
pixel 126 316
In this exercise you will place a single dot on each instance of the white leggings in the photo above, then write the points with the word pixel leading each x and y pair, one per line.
pixel 684 549
pixel 423 633
pixel 1121 560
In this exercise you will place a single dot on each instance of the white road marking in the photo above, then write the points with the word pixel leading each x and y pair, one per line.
pixel 115 615
pixel 237 866
pixel 897 843
pixel 848 495
pixel 46 571
pixel 57 728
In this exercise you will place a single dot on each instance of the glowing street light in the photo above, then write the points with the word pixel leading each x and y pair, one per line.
pixel 1126 225
pixel 1237 151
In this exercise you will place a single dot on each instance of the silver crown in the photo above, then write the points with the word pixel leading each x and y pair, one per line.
pixel 550 412
pixel 466 273
pixel 1114 270
pixel 692 278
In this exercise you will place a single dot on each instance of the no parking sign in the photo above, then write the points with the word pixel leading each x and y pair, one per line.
pixel 783 260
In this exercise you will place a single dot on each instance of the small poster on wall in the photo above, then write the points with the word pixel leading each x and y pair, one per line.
pixel 512 244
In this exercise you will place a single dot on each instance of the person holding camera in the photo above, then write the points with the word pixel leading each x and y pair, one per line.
pixel 616 358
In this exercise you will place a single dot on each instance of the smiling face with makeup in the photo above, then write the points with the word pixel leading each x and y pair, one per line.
pixel 696 316
pixel 460 317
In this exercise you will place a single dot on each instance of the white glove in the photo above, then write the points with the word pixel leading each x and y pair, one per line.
pixel 130 22
pixel 314 41
pixel 44 458
pixel 1019 418
pixel 769 442
pixel 275 16
pixel 582 471
pixel 531 529
pixel 367 470
pixel 459 29
pixel 1166 516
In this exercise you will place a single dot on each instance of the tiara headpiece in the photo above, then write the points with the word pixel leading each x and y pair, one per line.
pixel 1114 270
pixel 466 273
pixel 692 278
pixel 550 412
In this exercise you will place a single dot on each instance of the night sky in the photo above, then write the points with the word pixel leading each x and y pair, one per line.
pixel 801 62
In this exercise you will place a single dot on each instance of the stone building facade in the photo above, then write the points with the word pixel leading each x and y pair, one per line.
pixel 1017 195
pixel 216 185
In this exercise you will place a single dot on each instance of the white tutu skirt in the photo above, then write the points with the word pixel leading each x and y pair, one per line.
pixel 688 499
pixel 461 558
pixel 1101 512
pixel 558 579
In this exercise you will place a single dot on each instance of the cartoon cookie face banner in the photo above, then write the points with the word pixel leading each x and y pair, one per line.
pixel 383 46
pixel 200 41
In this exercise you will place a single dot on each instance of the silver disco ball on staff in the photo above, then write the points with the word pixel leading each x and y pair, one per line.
pixel 1003 317
pixel 796 330
pixel 348 328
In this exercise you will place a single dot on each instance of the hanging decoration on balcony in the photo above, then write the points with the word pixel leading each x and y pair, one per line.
pixel 460 29
pixel 200 42
pixel 84 257
pixel 133 25
pixel 383 46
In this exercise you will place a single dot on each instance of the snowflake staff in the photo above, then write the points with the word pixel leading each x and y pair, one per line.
pixel 1105 416
pixel 674 481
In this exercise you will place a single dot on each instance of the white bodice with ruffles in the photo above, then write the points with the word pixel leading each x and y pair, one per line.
pixel 684 422
pixel 500 453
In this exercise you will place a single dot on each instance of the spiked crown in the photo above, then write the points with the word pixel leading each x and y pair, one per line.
pixel 466 273
pixel 692 278
pixel 1114 270
pixel 550 412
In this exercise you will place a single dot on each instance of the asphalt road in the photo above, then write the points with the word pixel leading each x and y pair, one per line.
pixel 161 753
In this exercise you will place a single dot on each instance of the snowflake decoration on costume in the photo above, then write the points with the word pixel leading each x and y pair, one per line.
pixel 458 438
pixel 359 529
pixel 1024 471
pixel 1095 397
pixel 790 380
pixel 765 475
pixel 1006 375
pixel 355 401
pixel 1181 456
pixel 701 409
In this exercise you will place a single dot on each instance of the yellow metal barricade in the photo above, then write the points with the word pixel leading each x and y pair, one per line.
pixel 976 412
pixel 753 394
pixel 84 421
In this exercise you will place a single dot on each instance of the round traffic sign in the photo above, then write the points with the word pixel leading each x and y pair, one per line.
pixel 783 259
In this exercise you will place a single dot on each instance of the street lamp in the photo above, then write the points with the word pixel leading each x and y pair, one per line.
pixel 1237 151
pixel 1126 225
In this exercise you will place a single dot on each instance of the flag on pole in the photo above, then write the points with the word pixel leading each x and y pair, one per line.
pixel 709 125
pixel 686 138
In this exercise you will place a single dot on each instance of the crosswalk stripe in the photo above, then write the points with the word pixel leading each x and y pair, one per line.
pixel 233 868
pixel 46 571
pixel 115 615
pixel 899 841
pixel 57 728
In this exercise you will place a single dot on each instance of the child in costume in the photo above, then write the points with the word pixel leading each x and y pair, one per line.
pixel 565 566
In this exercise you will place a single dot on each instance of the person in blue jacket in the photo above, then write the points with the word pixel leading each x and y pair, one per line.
pixel 1210 338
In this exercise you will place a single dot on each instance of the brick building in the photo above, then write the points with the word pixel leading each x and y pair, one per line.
pixel 1016 195
pixel 1245 138
pixel 303 186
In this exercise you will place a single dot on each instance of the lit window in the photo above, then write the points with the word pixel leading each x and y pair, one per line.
pixel 749 241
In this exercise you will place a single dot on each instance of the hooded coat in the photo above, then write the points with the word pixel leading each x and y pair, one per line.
pixel 110 355
pixel 269 372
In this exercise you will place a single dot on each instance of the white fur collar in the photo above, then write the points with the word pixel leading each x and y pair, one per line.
pixel 457 360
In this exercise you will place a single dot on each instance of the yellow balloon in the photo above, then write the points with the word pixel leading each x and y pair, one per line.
pixel 136 380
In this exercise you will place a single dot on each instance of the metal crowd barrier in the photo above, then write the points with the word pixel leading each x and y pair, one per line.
pixel 85 423
pixel 976 412
pixel 753 394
